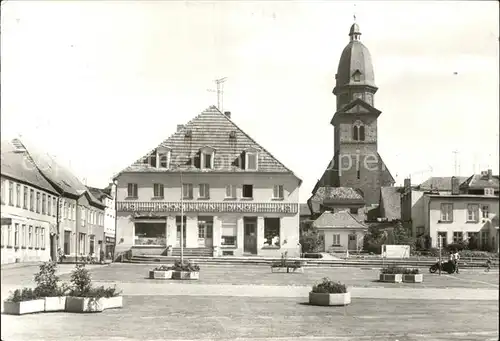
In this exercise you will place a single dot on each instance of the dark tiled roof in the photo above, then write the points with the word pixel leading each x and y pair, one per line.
pixel 440 183
pixel 17 164
pixel 97 192
pixel 390 203
pixel 55 173
pixel 210 128
pixel 480 181
pixel 336 193
pixel 304 210
pixel 59 177
pixel 342 219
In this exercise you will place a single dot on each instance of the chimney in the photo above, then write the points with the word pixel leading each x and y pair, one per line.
pixel 407 184
pixel 228 114
pixel 455 186
pixel 490 174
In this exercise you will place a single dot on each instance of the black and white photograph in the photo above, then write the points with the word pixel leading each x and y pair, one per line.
pixel 249 170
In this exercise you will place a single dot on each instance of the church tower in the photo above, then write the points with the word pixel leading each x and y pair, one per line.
pixel 356 162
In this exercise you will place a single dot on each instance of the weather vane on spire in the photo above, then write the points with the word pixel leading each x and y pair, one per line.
pixel 354 14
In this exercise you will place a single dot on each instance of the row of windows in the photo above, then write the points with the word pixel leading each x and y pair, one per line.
pixel 22 235
pixel 459 236
pixel 39 202
pixel 82 243
pixel 203 191
pixel 29 199
pixel 153 233
pixel 472 212
pixel 160 158
pixel 93 217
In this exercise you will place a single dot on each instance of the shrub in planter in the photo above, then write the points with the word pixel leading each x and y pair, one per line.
pixel 85 298
pixel 161 272
pixel 23 301
pixel 48 288
pixel 412 275
pixel 329 293
pixel 392 274
pixel 185 270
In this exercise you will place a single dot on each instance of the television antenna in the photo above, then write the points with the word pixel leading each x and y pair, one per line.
pixel 456 162
pixel 220 92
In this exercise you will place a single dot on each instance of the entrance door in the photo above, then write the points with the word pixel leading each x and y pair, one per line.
pixel 250 235
pixel 352 244
pixel 179 235
pixel 205 230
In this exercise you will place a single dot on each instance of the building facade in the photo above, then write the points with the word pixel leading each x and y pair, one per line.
pixel 107 197
pixel 448 212
pixel 458 218
pixel 79 216
pixel 340 231
pixel 229 194
pixel 29 209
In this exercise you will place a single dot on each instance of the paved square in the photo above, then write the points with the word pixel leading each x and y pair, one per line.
pixel 251 303
pixel 245 318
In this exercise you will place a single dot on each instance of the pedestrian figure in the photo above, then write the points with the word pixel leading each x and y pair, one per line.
pixel 456 258
pixel 101 256
pixel 488 264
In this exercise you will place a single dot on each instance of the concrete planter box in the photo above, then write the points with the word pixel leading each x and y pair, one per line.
pixel 287 270
pixel 84 304
pixel 326 299
pixel 24 307
pixel 186 275
pixel 416 278
pixel 113 302
pixel 154 274
pixel 56 303
pixel 391 278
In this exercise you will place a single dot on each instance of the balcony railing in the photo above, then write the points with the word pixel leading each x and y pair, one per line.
pixel 207 207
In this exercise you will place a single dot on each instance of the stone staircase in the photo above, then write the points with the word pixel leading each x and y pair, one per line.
pixel 193 252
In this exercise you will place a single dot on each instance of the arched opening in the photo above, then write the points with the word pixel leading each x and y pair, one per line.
pixel 362 133
pixel 355 133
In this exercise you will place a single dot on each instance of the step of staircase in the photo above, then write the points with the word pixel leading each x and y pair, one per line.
pixel 199 252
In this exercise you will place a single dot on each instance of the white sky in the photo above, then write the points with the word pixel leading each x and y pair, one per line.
pixel 98 84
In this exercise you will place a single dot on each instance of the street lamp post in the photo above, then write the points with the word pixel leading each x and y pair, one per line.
pixel 182 220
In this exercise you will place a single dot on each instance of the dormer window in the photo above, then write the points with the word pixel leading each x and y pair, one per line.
pixel 356 76
pixel 164 155
pixel 489 191
pixel 207 154
pixel 252 159
pixel 153 159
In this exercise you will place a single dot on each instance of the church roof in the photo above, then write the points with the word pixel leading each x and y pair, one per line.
pixel 355 58
pixel 210 128
pixel 338 220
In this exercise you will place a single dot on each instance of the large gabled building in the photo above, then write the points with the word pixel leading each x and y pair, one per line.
pixel 230 195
